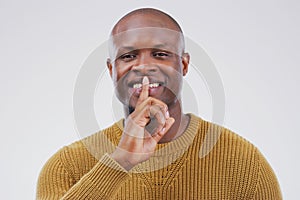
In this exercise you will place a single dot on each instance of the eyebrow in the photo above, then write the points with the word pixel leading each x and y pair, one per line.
pixel 131 48
pixel 122 49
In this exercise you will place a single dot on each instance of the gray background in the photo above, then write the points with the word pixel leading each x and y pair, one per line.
pixel 254 45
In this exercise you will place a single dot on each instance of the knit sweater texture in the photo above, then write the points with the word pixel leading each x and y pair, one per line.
pixel 206 162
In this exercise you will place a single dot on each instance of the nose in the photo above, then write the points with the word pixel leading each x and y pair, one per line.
pixel 144 69
pixel 144 65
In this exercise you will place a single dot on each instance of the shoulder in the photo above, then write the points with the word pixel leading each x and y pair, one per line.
pixel 215 136
pixel 94 143
pixel 223 147
pixel 79 157
pixel 246 164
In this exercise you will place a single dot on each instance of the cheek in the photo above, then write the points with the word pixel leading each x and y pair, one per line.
pixel 176 65
pixel 120 91
pixel 175 77
pixel 174 70
pixel 120 71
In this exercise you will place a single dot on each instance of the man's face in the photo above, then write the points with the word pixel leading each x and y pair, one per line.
pixel 153 52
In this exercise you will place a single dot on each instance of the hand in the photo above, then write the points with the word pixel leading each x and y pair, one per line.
pixel 137 144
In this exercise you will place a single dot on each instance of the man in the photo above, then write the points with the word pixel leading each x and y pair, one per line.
pixel 154 152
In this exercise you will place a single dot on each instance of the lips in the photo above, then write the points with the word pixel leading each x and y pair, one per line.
pixel 137 83
pixel 151 85
pixel 155 87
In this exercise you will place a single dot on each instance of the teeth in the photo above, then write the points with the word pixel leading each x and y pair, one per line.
pixel 137 85
pixel 151 85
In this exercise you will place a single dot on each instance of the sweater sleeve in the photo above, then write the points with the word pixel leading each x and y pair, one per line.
pixel 101 182
pixel 267 187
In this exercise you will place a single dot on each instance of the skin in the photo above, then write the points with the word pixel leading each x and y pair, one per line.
pixel 158 57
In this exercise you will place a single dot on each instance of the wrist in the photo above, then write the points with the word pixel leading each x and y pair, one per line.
pixel 120 159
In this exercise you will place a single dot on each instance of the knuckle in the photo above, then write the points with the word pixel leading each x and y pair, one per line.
pixel 161 123
pixel 158 114
pixel 164 107
pixel 150 99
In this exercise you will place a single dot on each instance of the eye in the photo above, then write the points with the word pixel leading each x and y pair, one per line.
pixel 160 54
pixel 127 57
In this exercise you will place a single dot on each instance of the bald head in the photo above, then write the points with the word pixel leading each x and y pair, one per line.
pixel 146 28
pixel 145 17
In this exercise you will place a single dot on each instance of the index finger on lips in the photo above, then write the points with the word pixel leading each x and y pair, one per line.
pixel 145 90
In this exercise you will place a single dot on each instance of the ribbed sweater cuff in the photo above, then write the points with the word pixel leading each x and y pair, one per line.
pixel 110 162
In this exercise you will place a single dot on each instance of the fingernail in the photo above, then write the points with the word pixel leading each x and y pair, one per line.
pixel 163 129
pixel 168 114
pixel 145 80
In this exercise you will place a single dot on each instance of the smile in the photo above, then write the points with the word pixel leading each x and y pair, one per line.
pixel 151 85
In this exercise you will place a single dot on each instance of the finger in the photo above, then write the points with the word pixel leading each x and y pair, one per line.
pixel 153 101
pixel 134 127
pixel 160 134
pixel 158 119
pixel 145 90
pixel 137 121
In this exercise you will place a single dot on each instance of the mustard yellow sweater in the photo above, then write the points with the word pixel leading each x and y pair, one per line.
pixel 186 168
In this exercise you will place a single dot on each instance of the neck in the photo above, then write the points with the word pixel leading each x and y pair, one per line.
pixel 179 126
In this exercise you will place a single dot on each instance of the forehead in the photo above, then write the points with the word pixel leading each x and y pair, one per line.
pixel 147 37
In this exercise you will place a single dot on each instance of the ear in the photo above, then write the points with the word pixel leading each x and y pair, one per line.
pixel 185 63
pixel 109 66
